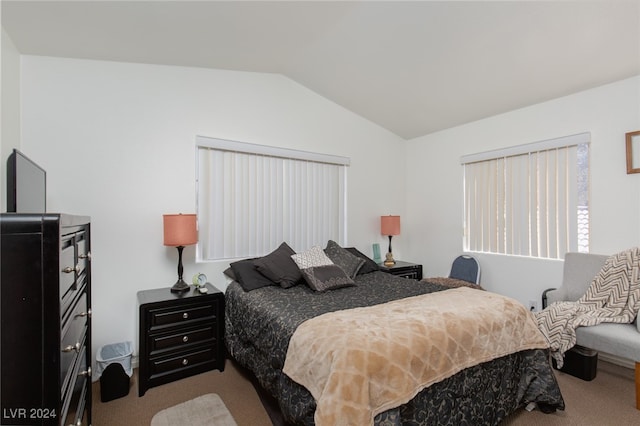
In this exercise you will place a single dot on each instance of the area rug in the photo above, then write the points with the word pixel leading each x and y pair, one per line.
pixel 205 410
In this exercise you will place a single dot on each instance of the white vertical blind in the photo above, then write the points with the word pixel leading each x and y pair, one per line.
pixel 249 203
pixel 525 200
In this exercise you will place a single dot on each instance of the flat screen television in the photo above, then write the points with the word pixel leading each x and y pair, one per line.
pixel 26 185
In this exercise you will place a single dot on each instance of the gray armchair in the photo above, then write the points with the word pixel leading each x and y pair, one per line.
pixel 621 340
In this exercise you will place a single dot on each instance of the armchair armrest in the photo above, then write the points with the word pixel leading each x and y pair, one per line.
pixel 544 297
pixel 551 295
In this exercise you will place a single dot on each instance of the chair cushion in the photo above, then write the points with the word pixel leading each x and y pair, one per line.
pixel 621 340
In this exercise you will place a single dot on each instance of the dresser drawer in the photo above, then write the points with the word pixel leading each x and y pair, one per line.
pixel 83 252
pixel 74 330
pixel 75 412
pixel 165 365
pixel 181 314
pixel 77 374
pixel 182 337
pixel 67 267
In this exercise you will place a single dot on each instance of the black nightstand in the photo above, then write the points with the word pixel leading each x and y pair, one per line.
pixel 404 269
pixel 181 334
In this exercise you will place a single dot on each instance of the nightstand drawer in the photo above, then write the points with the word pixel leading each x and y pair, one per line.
pixel 182 337
pixel 180 314
pixel 181 361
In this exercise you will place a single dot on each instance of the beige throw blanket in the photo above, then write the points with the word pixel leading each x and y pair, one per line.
pixel 360 362
pixel 613 296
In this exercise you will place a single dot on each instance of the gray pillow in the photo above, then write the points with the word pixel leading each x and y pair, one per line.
pixel 279 267
pixel 248 276
pixel 369 264
pixel 349 262
pixel 320 273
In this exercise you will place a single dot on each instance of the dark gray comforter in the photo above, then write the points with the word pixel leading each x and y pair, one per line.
pixel 260 323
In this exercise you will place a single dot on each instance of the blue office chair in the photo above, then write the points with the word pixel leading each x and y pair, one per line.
pixel 466 268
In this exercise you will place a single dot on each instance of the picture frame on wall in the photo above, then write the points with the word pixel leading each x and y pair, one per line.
pixel 633 152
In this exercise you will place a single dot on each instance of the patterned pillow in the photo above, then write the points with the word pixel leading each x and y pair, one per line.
pixel 279 267
pixel 319 271
pixel 349 263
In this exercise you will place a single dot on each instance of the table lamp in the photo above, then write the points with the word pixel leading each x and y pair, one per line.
pixel 180 230
pixel 389 225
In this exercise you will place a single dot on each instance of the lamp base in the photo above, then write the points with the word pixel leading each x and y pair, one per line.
pixel 180 286
pixel 388 261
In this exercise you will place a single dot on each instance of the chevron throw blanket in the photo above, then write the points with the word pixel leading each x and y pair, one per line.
pixel 613 296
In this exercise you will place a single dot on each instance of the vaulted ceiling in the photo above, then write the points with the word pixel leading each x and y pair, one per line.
pixel 412 67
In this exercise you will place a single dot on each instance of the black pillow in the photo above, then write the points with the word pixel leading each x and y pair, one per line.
pixel 279 267
pixel 229 272
pixel 349 262
pixel 248 276
pixel 369 264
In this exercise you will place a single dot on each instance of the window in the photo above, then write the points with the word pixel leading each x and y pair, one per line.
pixel 251 198
pixel 528 200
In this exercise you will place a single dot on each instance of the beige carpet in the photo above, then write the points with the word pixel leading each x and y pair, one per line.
pixel 607 400
pixel 205 410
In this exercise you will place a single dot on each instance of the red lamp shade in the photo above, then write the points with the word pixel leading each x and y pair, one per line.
pixel 180 229
pixel 390 225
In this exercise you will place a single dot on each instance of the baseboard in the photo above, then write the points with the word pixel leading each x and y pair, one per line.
pixel 623 362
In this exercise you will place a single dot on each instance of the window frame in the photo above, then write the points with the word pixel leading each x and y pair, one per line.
pixel 549 172
pixel 290 160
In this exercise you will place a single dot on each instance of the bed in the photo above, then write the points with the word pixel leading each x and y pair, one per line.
pixel 261 323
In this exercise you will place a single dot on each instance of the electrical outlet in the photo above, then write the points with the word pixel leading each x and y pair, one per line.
pixel 533 305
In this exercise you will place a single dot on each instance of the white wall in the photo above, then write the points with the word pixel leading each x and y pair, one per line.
pixel 118 143
pixel 10 109
pixel 434 183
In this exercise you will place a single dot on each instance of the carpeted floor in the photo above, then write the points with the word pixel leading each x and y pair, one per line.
pixel 233 387
pixel 607 400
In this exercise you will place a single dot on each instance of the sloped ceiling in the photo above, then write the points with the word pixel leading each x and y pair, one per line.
pixel 412 67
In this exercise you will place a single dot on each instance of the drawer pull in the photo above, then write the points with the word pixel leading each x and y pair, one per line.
pixel 84 314
pixel 85 256
pixel 70 269
pixel 85 373
pixel 185 315
pixel 185 339
pixel 70 348
pixel 185 361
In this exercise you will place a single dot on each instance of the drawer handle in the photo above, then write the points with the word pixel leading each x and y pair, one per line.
pixel 185 361
pixel 69 269
pixel 185 315
pixel 84 314
pixel 85 256
pixel 185 339
pixel 85 373
pixel 70 348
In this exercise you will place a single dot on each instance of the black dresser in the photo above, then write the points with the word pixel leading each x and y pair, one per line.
pixel 45 297
pixel 181 334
